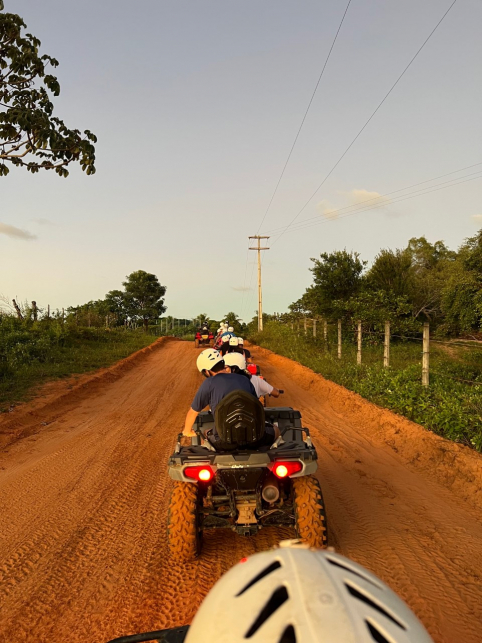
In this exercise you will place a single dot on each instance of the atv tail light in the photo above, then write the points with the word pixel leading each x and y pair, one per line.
pixel 201 473
pixel 286 469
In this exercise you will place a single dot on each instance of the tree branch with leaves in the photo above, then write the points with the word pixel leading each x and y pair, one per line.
pixel 30 135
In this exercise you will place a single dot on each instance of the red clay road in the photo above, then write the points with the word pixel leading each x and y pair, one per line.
pixel 84 496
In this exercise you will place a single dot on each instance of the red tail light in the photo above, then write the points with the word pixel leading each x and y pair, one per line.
pixel 202 473
pixel 286 469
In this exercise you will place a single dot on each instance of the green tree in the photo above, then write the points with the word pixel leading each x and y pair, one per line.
pixel 461 300
pixel 30 135
pixel 143 297
pixel 431 267
pixel 336 277
pixel 391 272
pixel 115 302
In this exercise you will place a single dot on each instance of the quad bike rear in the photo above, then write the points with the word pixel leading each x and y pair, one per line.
pixel 203 338
pixel 228 484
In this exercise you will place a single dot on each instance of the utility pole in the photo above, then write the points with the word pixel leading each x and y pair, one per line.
pixel 260 296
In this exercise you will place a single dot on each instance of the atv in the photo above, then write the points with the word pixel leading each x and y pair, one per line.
pixel 231 483
pixel 203 337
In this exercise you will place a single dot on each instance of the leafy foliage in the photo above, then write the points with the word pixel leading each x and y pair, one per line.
pixel 143 296
pixel 30 135
pixel 423 281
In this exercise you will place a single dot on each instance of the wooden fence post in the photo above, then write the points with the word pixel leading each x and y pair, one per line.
pixel 48 312
pixel 34 310
pixel 17 309
pixel 386 346
pixel 339 339
pixel 325 331
pixel 314 327
pixel 426 354
pixel 358 350
pixel 304 324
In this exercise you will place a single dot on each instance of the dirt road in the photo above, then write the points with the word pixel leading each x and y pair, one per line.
pixel 84 495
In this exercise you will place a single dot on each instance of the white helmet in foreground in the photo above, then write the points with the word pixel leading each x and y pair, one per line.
pixel 240 341
pixel 207 359
pixel 233 341
pixel 235 359
pixel 225 339
pixel 298 595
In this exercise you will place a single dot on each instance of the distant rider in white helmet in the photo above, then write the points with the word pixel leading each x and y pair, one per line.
pixel 237 364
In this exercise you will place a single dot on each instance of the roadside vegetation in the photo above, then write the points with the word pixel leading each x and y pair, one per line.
pixel 32 353
pixel 37 345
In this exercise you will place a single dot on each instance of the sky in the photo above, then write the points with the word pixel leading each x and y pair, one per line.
pixel 196 105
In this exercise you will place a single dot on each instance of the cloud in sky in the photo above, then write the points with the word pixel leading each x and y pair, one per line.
pixel 477 218
pixel 361 196
pixel 15 233
pixel 327 210
pixel 354 197
pixel 43 221
pixel 241 288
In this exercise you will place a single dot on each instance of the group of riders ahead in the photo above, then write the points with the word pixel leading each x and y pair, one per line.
pixel 228 367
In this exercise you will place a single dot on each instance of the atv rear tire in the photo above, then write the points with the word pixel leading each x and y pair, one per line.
pixel 196 343
pixel 183 530
pixel 309 511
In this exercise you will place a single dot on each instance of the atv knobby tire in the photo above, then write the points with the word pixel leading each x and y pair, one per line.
pixel 309 511
pixel 183 529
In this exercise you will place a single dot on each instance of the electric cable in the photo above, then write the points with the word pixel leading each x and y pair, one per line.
pixel 369 119
pixel 304 117
pixel 382 205
pixel 382 196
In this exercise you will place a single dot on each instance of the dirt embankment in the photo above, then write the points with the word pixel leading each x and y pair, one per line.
pixel 84 498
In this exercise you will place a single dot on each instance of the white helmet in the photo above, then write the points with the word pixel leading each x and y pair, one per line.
pixel 226 338
pixel 233 341
pixel 309 596
pixel 207 359
pixel 230 329
pixel 235 359
pixel 240 341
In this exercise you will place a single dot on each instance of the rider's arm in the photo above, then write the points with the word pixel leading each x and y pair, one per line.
pixel 188 424
pixel 275 392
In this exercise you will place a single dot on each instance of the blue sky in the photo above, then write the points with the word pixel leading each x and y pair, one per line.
pixel 196 105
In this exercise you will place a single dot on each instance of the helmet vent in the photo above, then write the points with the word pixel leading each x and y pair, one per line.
pixel 277 599
pixel 288 635
pixel 351 571
pixel 368 601
pixel 261 575
pixel 377 636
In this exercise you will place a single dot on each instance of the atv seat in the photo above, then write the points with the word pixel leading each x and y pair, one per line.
pixel 239 421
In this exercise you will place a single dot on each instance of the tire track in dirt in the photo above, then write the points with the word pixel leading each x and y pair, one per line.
pixel 83 551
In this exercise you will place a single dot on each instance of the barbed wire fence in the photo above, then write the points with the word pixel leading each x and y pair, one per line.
pixel 332 338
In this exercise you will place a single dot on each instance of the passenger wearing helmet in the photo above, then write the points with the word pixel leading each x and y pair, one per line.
pixel 220 381
pixel 229 346
pixel 296 594
pixel 237 363
pixel 246 352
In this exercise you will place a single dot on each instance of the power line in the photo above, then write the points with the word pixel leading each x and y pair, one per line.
pixel 381 205
pixel 369 119
pixel 291 151
pixel 304 117
pixel 382 196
